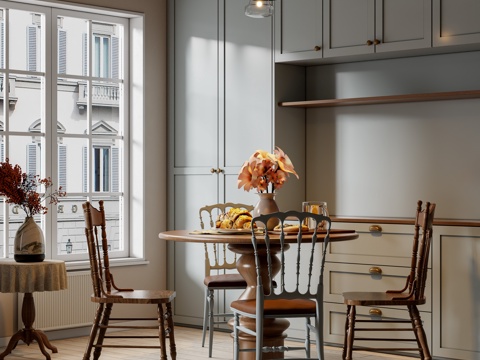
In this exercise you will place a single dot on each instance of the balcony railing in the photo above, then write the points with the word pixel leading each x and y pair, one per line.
pixel 102 95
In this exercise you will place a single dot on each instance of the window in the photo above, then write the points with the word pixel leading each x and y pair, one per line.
pixel 68 123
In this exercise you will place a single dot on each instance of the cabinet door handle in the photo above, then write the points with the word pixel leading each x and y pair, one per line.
pixel 216 171
pixel 219 171
pixel 317 48
pixel 375 270
pixel 375 312
pixel 369 42
pixel 213 171
pixel 376 42
pixel 375 228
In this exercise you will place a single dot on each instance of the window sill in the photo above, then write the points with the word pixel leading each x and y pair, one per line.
pixel 120 262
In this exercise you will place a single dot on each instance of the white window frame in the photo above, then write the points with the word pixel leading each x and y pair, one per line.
pixel 133 131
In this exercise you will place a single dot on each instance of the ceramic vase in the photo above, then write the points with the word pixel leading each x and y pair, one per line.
pixel 266 205
pixel 29 242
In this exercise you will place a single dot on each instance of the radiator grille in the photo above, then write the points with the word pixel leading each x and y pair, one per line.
pixel 70 308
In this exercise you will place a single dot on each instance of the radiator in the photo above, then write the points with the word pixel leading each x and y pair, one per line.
pixel 70 308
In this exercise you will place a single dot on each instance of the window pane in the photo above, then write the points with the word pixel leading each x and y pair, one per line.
pixel 26 151
pixel 71 226
pixel 26 45
pixel 75 34
pixel 26 97
pixel 72 107
pixel 76 164
pixel 106 100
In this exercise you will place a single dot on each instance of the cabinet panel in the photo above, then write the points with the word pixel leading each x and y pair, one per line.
pixel 403 25
pixel 196 78
pixel 456 23
pixel 457 293
pixel 335 315
pixel 248 84
pixel 348 25
pixel 299 30
pixel 340 278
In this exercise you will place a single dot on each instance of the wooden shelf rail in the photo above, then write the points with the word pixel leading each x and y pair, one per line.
pixel 389 99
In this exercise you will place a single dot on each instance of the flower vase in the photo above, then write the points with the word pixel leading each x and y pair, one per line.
pixel 29 242
pixel 266 205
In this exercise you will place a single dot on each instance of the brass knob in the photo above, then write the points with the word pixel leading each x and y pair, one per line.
pixel 376 42
pixel 375 228
pixel 369 42
pixel 219 171
pixel 375 270
pixel 213 171
pixel 375 312
pixel 317 48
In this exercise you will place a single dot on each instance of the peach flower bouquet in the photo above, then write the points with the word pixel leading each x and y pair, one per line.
pixel 266 172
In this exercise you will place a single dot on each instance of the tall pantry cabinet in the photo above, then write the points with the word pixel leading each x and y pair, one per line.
pixel 220 112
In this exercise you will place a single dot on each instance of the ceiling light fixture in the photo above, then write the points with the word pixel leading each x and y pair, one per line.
pixel 259 8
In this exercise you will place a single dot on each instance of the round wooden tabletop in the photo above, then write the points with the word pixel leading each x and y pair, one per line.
pixel 240 238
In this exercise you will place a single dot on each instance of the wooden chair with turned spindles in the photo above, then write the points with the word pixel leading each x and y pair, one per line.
pixel 412 295
pixel 106 294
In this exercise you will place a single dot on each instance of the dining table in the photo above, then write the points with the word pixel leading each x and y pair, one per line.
pixel 241 243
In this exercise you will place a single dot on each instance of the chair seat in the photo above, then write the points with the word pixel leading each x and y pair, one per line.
pixel 378 298
pixel 137 297
pixel 279 307
pixel 224 281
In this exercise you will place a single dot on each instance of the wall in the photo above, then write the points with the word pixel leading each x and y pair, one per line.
pixel 155 166
pixel 378 160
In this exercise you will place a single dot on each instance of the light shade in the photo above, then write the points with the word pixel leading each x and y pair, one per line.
pixel 259 8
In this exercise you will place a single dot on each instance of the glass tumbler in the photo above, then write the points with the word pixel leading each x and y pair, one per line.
pixel 315 207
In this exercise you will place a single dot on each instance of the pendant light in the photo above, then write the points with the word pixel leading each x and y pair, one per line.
pixel 259 8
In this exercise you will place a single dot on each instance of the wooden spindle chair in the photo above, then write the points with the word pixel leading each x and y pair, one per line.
pixel 106 293
pixel 410 296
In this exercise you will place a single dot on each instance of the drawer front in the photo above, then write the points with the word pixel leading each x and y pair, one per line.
pixel 339 278
pixel 381 244
pixel 335 316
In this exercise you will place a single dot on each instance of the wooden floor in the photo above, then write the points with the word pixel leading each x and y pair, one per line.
pixel 188 342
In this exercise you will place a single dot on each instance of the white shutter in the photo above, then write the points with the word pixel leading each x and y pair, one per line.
pixel 115 169
pixel 2 44
pixel 62 166
pixel 115 56
pixel 2 152
pixel 85 168
pixel 62 51
pixel 84 54
pixel 31 48
pixel 32 159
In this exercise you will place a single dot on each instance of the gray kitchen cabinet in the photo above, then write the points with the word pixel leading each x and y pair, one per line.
pixel 358 27
pixel 298 28
pixel 456 23
pixel 221 73
pixel 456 292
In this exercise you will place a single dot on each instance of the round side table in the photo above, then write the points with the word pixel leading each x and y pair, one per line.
pixel 15 277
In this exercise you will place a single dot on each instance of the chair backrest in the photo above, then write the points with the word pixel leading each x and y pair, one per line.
pixel 422 240
pixel 209 214
pixel 301 268
pixel 95 231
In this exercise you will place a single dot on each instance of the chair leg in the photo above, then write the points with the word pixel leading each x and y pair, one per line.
pixel 349 333
pixel 205 316
pixel 93 331
pixel 162 334
pixel 236 323
pixel 211 303
pixel 103 330
pixel 307 337
pixel 171 331
pixel 419 332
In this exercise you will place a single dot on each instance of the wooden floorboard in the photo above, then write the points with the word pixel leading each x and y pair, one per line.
pixel 188 342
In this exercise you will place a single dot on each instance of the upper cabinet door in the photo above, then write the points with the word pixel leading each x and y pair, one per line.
pixel 196 69
pixel 298 29
pixel 456 22
pixel 403 25
pixel 348 27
